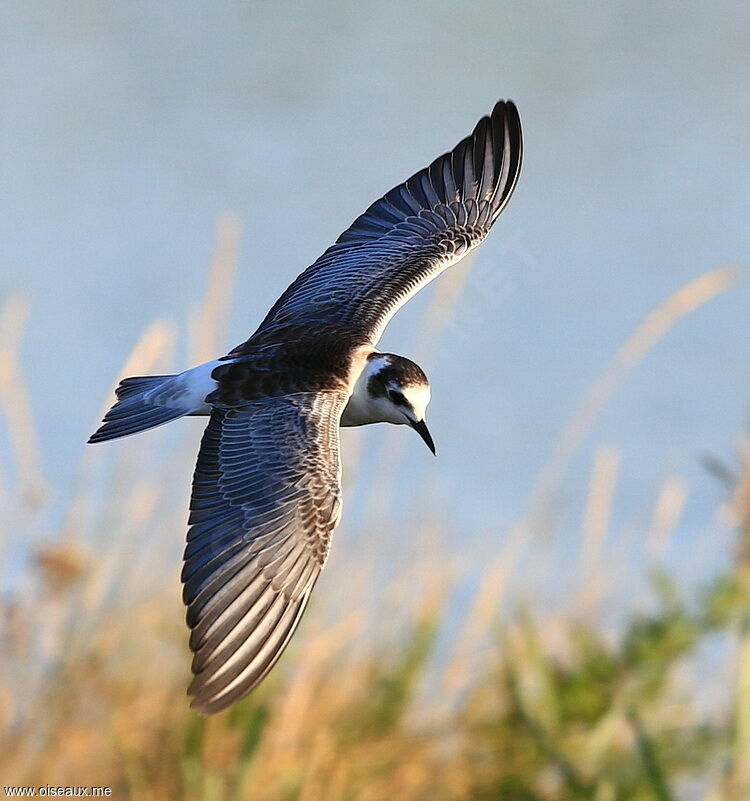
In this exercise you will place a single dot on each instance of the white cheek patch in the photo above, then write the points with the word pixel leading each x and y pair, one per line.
pixel 419 397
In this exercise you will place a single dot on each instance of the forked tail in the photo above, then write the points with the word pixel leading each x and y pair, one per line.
pixel 140 406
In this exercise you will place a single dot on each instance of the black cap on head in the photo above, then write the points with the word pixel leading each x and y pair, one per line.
pixel 398 369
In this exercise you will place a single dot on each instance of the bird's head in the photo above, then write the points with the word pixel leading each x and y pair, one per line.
pixel 398 392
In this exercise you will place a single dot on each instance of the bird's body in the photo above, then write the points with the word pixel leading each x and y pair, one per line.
pixel 266 490
pixel 185 394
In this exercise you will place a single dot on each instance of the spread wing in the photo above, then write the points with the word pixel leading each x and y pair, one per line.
pixel 408 237
pixel 266 497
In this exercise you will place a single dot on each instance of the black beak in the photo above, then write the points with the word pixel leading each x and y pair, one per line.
pixel 424 432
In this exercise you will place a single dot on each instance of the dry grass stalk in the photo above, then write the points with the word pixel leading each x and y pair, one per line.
pixel 658 323
pixel 16 406
pixel 207 325
pixel 666 516
pixel 599 503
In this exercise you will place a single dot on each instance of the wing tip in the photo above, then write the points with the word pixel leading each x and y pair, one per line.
pixel 213 692
pixel 467 171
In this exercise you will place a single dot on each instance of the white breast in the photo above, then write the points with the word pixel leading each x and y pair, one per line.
pixel 361 408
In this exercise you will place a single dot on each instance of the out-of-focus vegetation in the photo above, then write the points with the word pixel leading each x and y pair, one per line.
pixel 393 698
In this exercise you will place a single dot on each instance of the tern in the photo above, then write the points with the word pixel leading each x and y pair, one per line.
pixel 266 493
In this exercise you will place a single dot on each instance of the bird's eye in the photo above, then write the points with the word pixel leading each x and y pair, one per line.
pixel 396 397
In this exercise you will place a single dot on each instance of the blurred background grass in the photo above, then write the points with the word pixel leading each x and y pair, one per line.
pixel 423 682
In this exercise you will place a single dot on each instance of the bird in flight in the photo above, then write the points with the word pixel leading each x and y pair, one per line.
pixel 266 493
